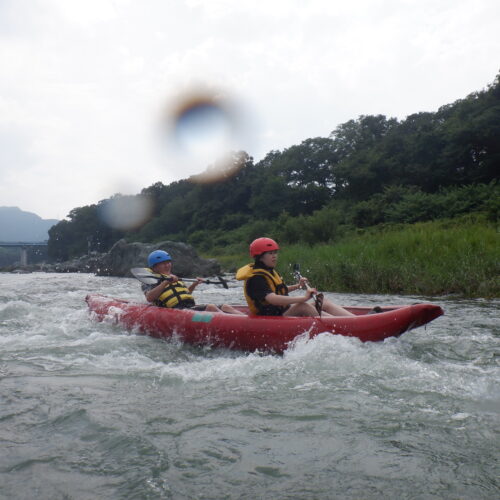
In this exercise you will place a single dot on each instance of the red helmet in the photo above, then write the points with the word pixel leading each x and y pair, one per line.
pixel 261 245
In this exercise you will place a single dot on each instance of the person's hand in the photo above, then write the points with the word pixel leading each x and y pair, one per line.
pixel 302 282
pixel 310 292
pixel 167 280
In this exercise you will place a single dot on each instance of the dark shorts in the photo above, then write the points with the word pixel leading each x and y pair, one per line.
pixel 187 304
pixel 273 310
pixel 203 307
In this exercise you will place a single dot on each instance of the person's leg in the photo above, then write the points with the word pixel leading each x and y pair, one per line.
pixel 302 309
pixel 231 310
pixel 334 309
pixel 212 308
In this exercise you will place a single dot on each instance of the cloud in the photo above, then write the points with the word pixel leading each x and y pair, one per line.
pixel 83 84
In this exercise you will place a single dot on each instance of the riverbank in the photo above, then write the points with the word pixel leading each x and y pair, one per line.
pixel 458 256
pixel 432 258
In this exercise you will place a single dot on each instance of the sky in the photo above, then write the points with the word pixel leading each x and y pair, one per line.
pixel 88 86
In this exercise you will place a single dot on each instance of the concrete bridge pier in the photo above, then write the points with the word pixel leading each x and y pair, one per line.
pixel 24 246
pixel 24 256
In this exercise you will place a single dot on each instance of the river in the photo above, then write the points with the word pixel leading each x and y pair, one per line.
pixel 90 411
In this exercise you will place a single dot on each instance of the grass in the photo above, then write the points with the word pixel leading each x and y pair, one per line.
pixel 432 258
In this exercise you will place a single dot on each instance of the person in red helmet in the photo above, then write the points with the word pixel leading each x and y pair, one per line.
pixel 267 294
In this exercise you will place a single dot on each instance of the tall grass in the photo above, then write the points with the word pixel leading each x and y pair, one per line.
pixel 430 258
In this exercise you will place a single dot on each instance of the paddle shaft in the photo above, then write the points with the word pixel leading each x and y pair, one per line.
pixel 144 275
pixel 318 297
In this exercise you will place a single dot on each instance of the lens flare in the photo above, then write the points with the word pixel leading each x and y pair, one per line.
pixel 126 212
pixel 205 128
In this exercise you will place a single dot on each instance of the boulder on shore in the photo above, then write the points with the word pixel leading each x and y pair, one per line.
pixel 186 262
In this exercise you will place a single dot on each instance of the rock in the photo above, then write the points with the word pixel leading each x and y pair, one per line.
pixel 186 262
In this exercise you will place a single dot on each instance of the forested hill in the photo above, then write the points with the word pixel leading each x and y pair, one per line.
pixel 369 171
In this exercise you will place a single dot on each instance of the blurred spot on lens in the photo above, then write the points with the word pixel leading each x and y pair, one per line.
pixel 205 128
pixel 126 212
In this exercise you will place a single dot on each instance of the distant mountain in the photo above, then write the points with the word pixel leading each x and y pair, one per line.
pixel 17 225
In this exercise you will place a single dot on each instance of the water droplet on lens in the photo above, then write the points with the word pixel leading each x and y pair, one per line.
pixel 204 128
pixel 126 212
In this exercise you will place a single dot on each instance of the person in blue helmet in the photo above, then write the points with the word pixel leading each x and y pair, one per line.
pixel 172 292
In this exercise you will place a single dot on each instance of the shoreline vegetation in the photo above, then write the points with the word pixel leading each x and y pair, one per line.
pixel 459 257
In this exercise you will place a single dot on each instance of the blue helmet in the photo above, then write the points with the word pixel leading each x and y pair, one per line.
pixel 158 256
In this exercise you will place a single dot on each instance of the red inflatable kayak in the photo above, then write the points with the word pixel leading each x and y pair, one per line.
pixel 252 333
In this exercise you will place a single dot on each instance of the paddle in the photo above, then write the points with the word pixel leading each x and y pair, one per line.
pixel 145 275
pixel 318 297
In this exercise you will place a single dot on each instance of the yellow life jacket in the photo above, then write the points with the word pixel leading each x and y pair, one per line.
pixel 276 284
pixel 175 294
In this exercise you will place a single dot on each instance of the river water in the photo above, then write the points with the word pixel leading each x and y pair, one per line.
pixel 90 411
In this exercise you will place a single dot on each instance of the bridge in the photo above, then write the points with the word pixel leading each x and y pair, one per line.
pixel 23 246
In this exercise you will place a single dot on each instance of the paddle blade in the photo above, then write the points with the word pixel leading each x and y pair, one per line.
pixel 223 282
pixel 144 275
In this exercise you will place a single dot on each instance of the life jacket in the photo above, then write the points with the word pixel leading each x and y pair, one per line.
pixel 175 295
pixel 276 284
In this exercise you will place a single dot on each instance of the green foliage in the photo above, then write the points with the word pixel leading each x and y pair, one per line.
pixel 233 221
pixel 418 206
pixel 431 258
pixel 84 231
pixel 322 226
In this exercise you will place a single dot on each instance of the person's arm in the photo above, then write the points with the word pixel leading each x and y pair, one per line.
pixel 286 300
pixel 258 289
pixel 155 292
pixel 301 284
pixel 195 284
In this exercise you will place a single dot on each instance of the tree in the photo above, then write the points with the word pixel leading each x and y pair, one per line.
pixel 361 169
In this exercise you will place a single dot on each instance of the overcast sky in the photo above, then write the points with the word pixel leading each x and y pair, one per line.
pixel 84 83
